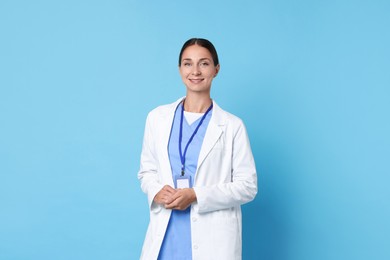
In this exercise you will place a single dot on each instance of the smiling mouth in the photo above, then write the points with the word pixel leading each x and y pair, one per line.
pixel 196 80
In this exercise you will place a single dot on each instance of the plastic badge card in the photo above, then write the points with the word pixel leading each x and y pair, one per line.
pixel 182 182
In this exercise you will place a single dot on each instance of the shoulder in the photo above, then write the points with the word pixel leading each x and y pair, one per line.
pixel 163 110
pixel 224 117
pixel 232 125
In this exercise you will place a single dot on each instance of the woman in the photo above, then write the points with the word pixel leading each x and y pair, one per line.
pixel 196 168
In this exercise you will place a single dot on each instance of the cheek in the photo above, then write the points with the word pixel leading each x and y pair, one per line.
pixel 183 74
pixel 211 75
pixel 211 72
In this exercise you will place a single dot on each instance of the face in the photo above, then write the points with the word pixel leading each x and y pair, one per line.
pixel 197 69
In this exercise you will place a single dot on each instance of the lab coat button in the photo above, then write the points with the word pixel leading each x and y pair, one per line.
pixel 194 219
pixel 195 247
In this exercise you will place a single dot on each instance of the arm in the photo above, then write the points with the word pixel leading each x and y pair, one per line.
pixel 148 167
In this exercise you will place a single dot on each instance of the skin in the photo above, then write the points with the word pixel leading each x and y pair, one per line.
pixel 197 71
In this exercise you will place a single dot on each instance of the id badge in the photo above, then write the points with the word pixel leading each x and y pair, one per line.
pixel 182 182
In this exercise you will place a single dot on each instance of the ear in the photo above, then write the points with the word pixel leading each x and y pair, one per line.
pixel 216 70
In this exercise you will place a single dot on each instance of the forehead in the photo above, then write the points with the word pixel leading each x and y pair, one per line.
pixel 196 52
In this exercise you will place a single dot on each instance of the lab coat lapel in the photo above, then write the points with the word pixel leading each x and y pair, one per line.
pixel 166 126
pixel 213 132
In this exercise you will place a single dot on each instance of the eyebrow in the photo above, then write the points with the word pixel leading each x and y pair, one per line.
pixel 202 59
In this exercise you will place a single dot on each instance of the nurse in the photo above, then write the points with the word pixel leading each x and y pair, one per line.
pixel 196 168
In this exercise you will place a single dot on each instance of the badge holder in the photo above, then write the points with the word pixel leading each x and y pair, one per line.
pixel 182 182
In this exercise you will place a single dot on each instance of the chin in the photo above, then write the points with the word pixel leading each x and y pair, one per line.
pixel 197 88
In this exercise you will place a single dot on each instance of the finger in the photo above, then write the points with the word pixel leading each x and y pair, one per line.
pixel 178 205
pixel 162 197
pixel 170 205
pixel 169 189
pixel 174 200
pixel 174 196
pixel 159 199
pixel 165 197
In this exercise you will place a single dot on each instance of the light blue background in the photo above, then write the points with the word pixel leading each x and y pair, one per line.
pixel 309 78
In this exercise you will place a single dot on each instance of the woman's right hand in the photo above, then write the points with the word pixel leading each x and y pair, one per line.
pixel 164 195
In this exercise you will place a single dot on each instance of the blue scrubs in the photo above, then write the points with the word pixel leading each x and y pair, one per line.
pixel 177 241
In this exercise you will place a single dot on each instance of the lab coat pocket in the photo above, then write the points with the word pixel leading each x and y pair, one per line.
pixel 227 236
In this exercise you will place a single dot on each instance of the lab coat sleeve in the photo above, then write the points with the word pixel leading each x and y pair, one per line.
pixel 243 185
pixel 148 166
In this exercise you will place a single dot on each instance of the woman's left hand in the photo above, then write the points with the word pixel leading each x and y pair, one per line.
pixel 181 199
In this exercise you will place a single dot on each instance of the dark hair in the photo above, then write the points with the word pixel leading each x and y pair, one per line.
pixel 202 43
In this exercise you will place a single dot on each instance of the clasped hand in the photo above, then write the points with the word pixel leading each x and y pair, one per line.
pixel 178 199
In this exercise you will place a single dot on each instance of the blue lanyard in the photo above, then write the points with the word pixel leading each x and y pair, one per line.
pixel 183 156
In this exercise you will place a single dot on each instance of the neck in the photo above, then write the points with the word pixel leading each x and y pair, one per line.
pixel 197 104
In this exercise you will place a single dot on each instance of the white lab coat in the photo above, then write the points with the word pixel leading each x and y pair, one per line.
pixel 225 179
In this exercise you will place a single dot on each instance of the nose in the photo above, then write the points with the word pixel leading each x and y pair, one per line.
pixel 196 70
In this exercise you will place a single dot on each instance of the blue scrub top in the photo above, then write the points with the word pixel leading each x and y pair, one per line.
pixel 177 240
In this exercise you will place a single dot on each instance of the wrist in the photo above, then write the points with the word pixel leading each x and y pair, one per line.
pixel 193 195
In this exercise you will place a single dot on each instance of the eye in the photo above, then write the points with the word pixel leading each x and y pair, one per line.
pixel 204 64
pixel 186 64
